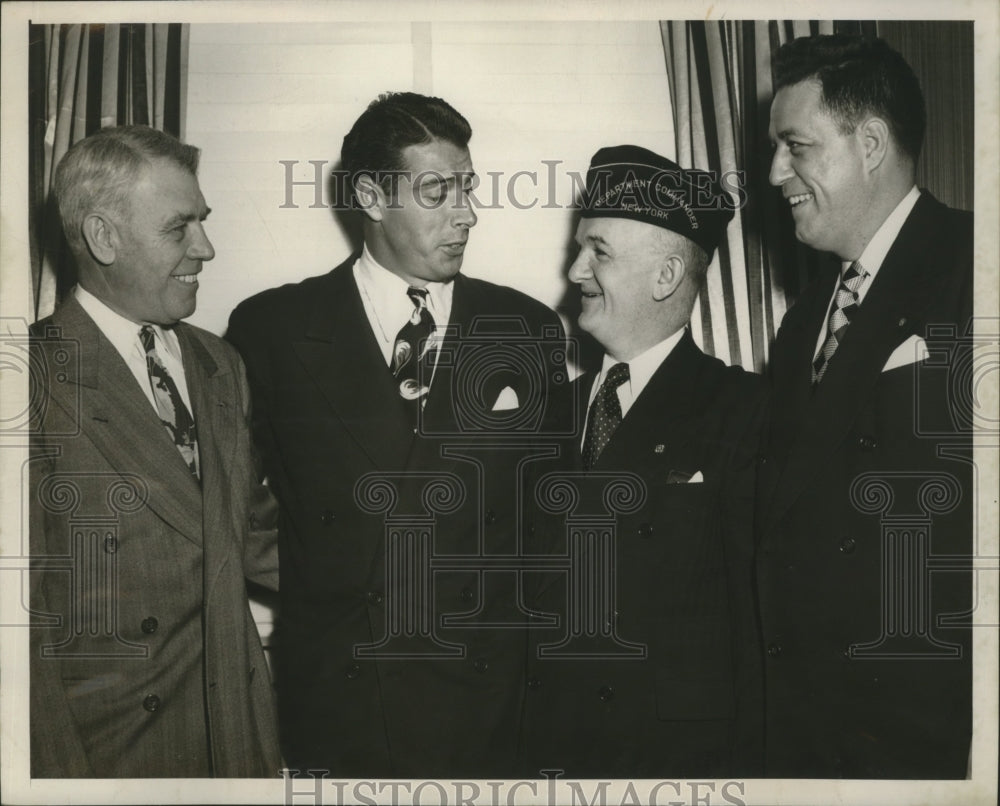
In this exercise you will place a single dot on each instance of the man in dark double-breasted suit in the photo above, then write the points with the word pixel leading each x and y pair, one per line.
pixel 866 482
pixel 400 633
pixel 653 671
pixel 146 661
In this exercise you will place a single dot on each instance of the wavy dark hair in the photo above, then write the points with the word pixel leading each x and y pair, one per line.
pixel 859 77
pixel 395 120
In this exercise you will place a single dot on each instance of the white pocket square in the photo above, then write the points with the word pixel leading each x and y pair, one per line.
pixel 697 478
pixel 506 400
pixel 911 351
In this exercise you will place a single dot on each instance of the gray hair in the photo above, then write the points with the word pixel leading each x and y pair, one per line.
pixel 98 173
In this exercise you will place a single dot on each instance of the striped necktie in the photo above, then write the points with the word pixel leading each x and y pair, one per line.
pixel 845 305
pixel 169 404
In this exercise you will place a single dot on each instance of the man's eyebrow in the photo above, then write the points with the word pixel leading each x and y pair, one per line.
pixel 784 134
pixel 184 218
pixel 593 240
pixel 440 179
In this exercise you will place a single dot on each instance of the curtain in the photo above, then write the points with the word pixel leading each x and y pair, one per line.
pixel 720 82
pixel 83 78
pixel 941 54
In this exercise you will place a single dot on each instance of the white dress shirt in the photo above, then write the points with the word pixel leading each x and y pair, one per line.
pixel 124 335
pixel 872 257
pixel 388 307
pixel 640 370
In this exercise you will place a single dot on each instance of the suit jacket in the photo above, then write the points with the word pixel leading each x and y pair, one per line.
pixel 412 664
pixel 145 660
pixel 678 694
pixel 865 481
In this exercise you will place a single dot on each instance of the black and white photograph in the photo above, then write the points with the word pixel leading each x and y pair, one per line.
pixel 480 403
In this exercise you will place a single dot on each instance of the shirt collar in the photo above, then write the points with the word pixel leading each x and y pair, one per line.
pixel 643 366
pixel 387 291
pixel 123 333
pixel 878 247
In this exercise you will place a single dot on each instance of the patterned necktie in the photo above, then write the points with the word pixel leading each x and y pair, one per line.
pixel 845 305
pixel 605 415
pixel 412 357
pixel 169 404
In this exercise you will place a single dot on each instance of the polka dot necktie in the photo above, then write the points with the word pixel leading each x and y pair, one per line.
pixel 605 415
pixel 845 305
pixel 169 404
pixel 412 357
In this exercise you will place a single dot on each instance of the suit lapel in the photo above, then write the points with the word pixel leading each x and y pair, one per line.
pixel 341 355
pixel 118 419
pixel 210 390
pixel 893 309
pixel 670 396
pixel 439 415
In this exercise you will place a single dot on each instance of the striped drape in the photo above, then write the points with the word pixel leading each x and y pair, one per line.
pixel 720 82
pixel 83 78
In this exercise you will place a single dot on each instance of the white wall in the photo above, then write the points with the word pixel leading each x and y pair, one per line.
pixel 533 91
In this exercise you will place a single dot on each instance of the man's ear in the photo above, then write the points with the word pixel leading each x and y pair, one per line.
pixel 669 277
pixel 875 134
pixel 371 197
pixel 101 238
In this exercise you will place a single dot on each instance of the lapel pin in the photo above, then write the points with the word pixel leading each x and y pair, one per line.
pixel 659 448
pixel 902 322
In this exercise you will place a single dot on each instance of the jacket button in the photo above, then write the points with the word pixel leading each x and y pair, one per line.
pixel 151 703
pixel 375 597
pixel 774 650
pixel 847 545
pixel 149 625
pixel 867 443
pixel 328 517
pixel 466 595
pixel 534 683
pixel 353 671
pixel 480 665
pixel 761 459
pixel 491 516
pixel 646 530
pixel 110 544
pixel 606 693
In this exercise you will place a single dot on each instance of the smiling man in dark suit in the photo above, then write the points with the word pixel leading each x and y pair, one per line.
pixel 673 691
pixel 867 474
pixel 397 402
pixel 145 659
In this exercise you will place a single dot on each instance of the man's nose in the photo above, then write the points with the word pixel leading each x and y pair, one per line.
pixel 465 216
pixel 201 247
pixel 781 170
pixel 580 270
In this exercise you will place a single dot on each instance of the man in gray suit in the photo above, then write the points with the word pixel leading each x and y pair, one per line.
pixel 145 659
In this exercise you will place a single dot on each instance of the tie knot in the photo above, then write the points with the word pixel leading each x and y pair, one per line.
pixel 418 296
pixel 617 375
pixel 148 338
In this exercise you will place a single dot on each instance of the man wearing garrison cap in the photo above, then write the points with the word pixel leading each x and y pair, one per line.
pixel 665 682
